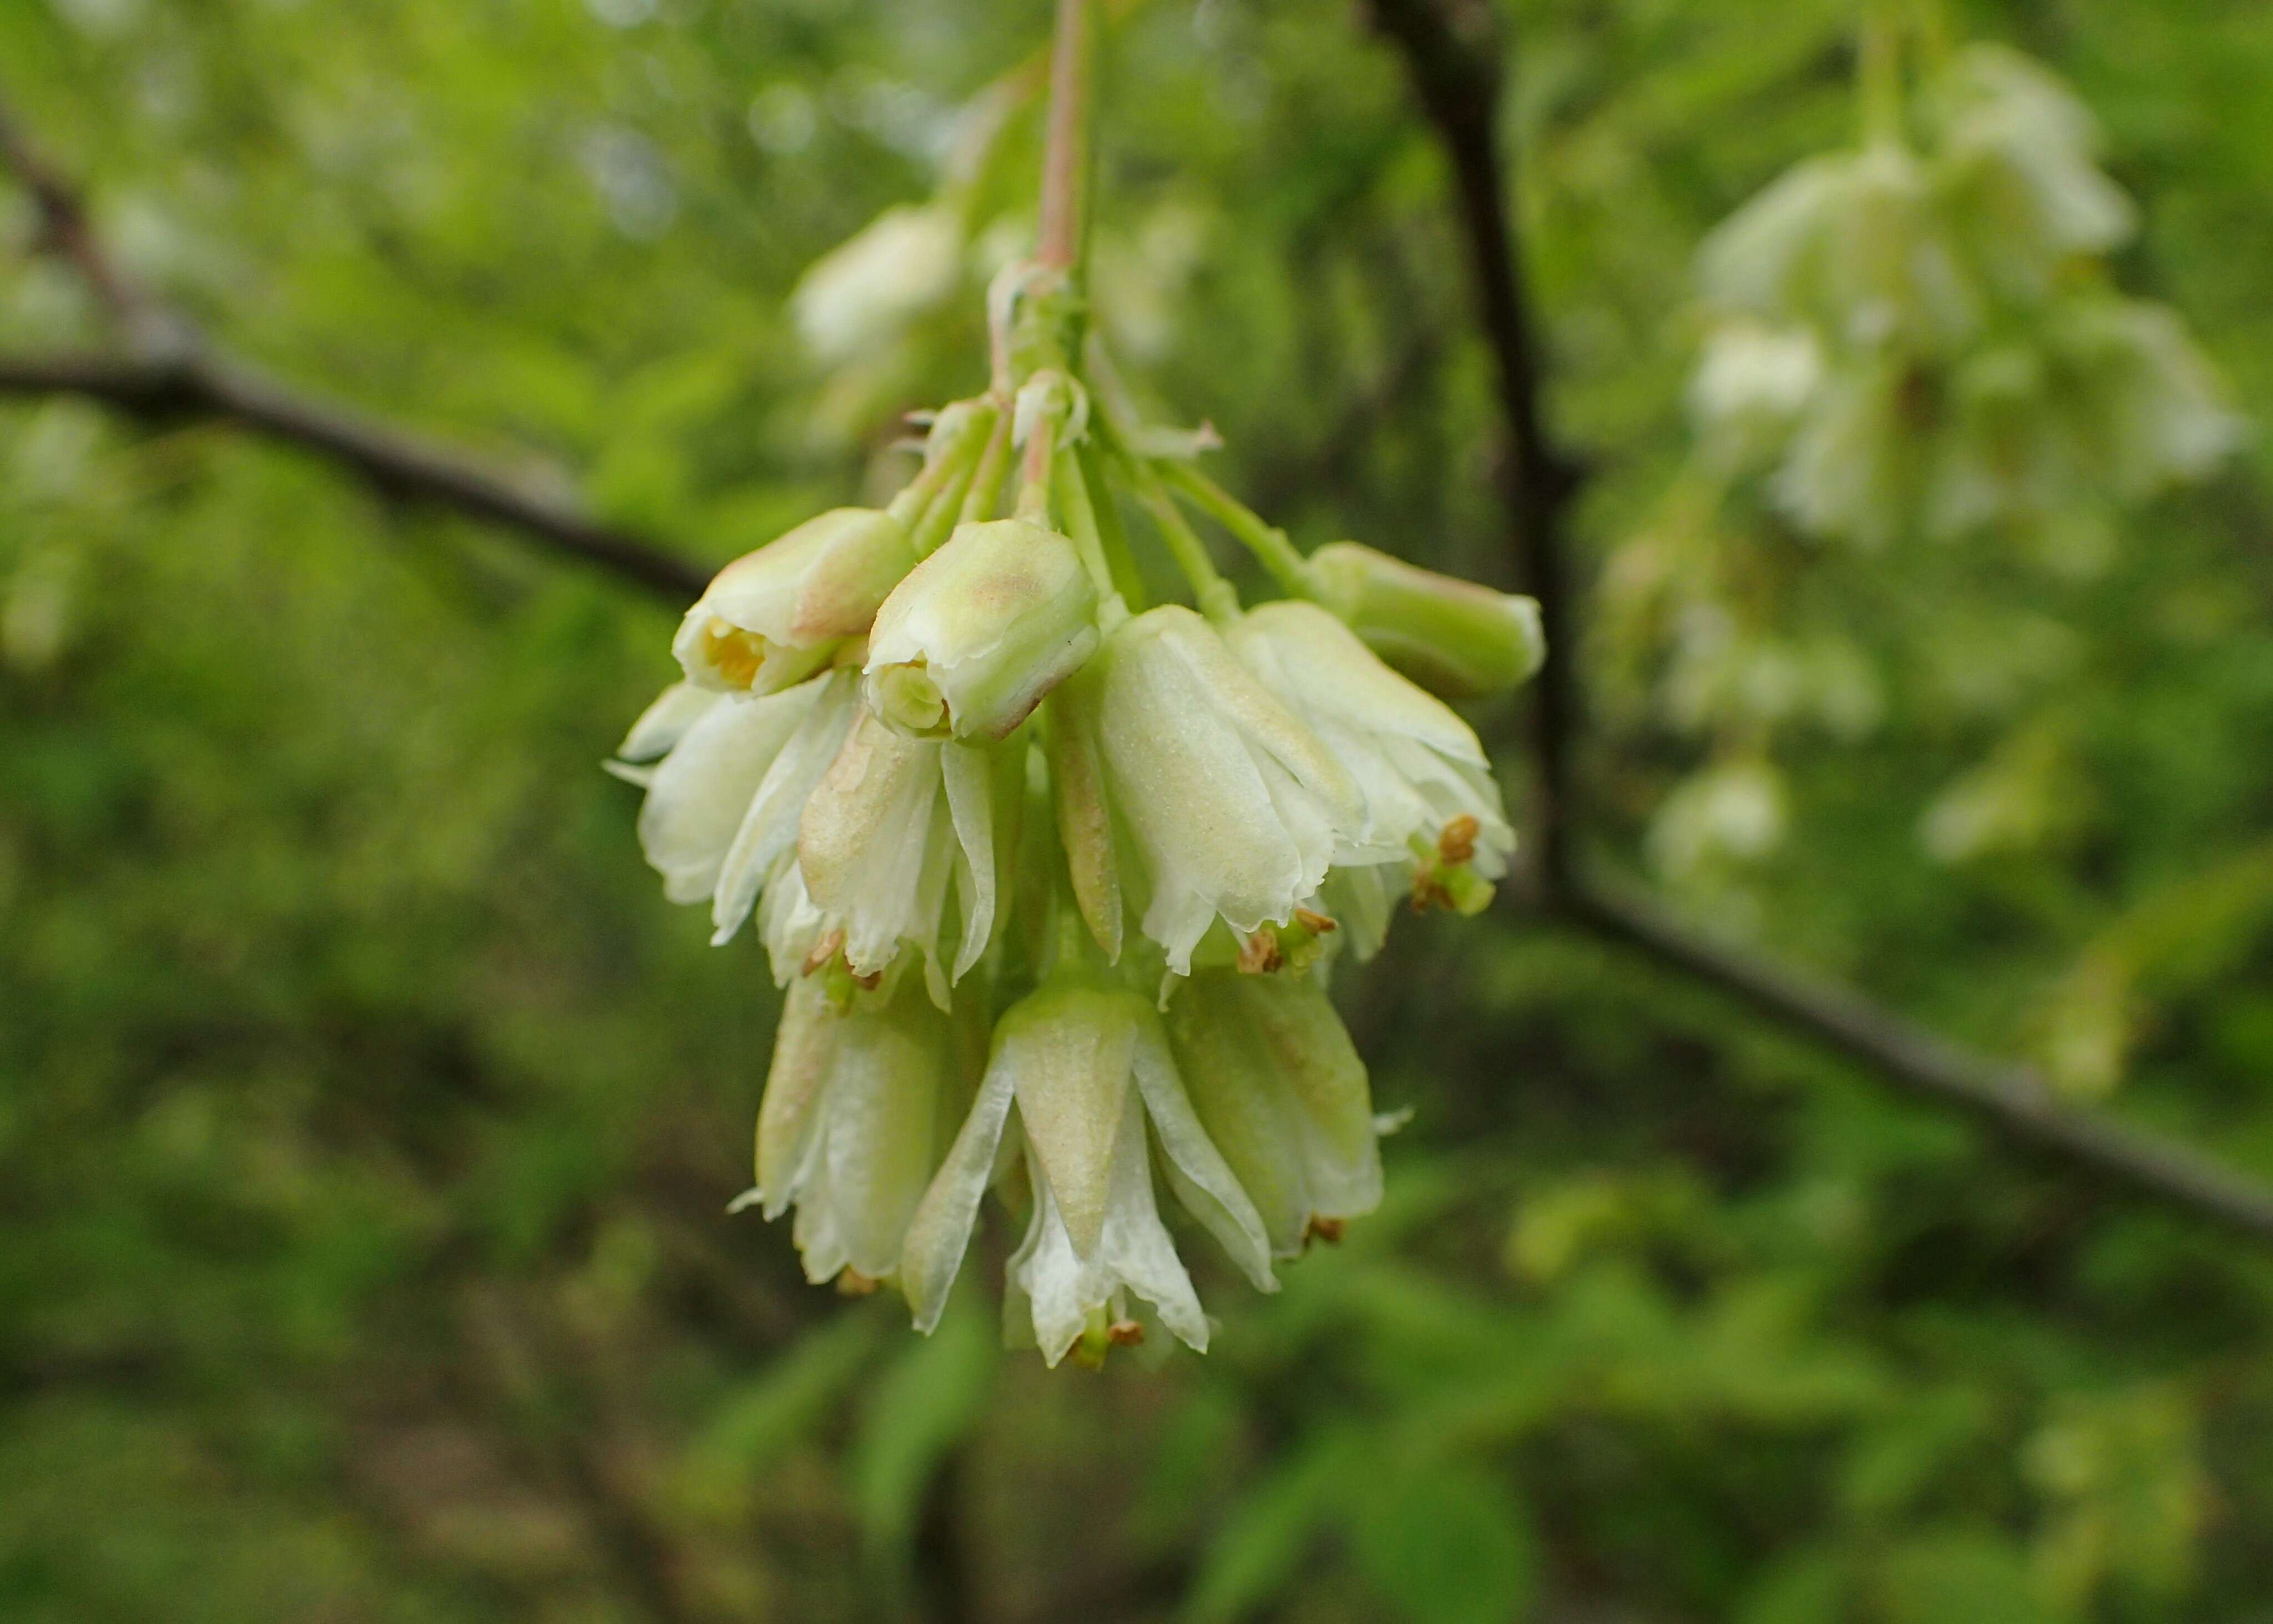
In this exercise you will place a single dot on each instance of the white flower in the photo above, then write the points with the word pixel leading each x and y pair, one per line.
pixel 977 633
pixel 897 830
pixel 716 754
pixel 859 1106
pixel 1282 1094
pixel 1095 1086
pixel 1850 243
pixel 1750 383
pixel 1183 782
pixel 868 287
pixel 1421 773
pixel 774 617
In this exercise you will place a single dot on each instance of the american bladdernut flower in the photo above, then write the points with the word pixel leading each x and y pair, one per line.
pixel 1198 791
pixel 860 1106
pixel 967 645
pixel 1053 887
pixel 1095 1089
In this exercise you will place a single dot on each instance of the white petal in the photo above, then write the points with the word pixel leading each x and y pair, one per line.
pixel 769 828
pixel 1211 1189
pixel 970 800
pixel 699 795
pixel 664 723
pixel 931 1255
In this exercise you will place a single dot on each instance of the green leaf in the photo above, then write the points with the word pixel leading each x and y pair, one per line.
pixel 1445 1543
pixel 924 1405
pixel 1269 1531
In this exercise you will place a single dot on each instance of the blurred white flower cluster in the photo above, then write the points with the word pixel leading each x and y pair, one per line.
pixel 1916 342
pixel 1054 878
pixel 1919 337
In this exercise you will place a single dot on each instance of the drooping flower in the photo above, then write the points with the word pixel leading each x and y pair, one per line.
pixel 897 830
pixel 967 645
pixel 1185 787
pixel 859 294
pixel 774 617
pixel 713 763
pixel 1429 803
pixel 1283 1094
pixel 1095 1088
pixel 860 1106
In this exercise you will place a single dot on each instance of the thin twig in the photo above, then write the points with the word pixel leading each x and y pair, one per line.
pixel 1455 75
pixel 202 385
pixel 170 371
pixel 2012 1099
pixel 1452 61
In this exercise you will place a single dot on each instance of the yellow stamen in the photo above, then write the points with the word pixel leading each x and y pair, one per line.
pixel 734 654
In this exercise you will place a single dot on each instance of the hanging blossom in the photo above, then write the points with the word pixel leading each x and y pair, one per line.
pixel 1053 878
pixel 1921 335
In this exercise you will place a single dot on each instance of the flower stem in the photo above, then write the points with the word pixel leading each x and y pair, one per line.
pixel 1080 516
pixel 1209 589
pixel 1066 159
pixel 994 468
pixel 1267 542
pixel 1881 69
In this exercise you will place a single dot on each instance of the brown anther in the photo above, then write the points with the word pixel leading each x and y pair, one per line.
pixel 1259 954
pixel 1428 893
pixel 1124 1333
pixel 1330 1231
pixel 1456 842
pixel 870 982
pixel 1316 924
pixel 823 950
pixel 852 1282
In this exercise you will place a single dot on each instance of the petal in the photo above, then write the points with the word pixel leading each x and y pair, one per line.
pixel 970 801
pixel 664 723
pixel 700 793
pixel 885 1088
pixel 1207 1184
pixel 865 838
pixel 769 827
pixel 1066 1054
pixel 803 1046
pixel 939 1233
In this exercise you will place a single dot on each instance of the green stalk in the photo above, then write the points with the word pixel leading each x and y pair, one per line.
pixel 1209 589
pixel 1268 542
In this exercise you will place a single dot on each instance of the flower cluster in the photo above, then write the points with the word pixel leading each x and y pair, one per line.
pixel 1918 336
pixel 1053 878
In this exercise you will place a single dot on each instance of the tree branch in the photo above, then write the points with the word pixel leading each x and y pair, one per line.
pixel 1455 75
pixel 1453 60
pixel 171 372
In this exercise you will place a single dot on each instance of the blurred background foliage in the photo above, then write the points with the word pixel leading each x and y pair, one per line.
pixel 366 1118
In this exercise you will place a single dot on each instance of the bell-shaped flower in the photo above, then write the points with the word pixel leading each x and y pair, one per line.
pixel 1455 638
pixel 774 617
pixel 1096 1091
pixel 865 291
pixel 967 645
pixel 2017 155
pixel 723 774
pixel 1426 785
pixel 1185 784
pixel 1282 1091
pixel 895 833
pixel 1750 385
pixel 861 1105
pixel 1852 243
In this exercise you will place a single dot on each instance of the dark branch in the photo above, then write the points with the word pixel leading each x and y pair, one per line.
pixel 2011 1099
pixel 1453 62
pixel 399 465
pixel 171 372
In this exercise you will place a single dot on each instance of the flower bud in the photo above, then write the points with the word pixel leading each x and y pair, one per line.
pixel 1282 1094
pixel 774 617
pixel 967 645
pixel 1457 639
